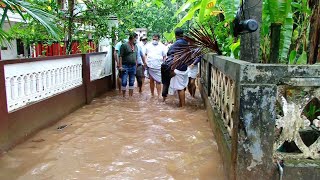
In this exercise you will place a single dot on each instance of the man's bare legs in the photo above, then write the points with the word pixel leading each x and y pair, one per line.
pixel 152 86
pixel 130 92
pixel 158 86
pixel 192 87
pixel 182 100
pixel 140 86
pixel 119 83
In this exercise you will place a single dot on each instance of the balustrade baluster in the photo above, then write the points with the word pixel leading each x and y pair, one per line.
pixel 32 84
pixel 22 94
pixel 57 74
pixel 60 79
pixel 27 84
pixel 43 83
pixel 19 80
pixel 48 82
pixel 79 73
pixel 8 91
pixel 52 84
pixel 14 87
pixel 75 74
pixel 69 76
pixel 64 71
pixel 38 84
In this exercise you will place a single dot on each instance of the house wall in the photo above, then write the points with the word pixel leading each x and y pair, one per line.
pixel 11 49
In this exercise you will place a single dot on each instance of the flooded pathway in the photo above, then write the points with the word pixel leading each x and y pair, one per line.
pixel 115 138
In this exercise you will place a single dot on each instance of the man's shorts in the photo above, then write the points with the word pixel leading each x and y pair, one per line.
pixel 140 74
pixel 140 71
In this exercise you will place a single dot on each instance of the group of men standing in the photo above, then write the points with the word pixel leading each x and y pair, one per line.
pixel 134 58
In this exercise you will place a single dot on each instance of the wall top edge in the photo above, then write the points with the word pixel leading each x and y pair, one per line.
pixel 26 60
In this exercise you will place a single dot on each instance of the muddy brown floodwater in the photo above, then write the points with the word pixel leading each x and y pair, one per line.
pixel 114 138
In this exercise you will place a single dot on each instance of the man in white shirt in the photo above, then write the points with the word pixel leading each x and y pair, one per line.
pixel 155 55
pixel 143 43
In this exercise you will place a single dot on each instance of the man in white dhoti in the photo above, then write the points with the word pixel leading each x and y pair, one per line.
pixel 180 79
pixel 155 55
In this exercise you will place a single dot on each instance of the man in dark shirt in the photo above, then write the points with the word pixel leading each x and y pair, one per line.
pixel 128 63
pixel 166 72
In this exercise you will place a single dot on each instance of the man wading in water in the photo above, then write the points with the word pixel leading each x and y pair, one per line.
pixel 155 53
pixel 180 80
pixel 128 63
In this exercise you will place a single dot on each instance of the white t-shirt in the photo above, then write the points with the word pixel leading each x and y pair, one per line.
pixel 155 54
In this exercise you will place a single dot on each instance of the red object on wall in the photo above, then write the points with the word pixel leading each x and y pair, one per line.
pixel 55 49
pixel 59 49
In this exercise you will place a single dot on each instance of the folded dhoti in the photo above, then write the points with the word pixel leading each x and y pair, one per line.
pixel 193 72
pixel 179 81
pixel 155 74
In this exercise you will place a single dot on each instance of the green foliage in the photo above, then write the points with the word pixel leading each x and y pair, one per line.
pixel 312 111
pixel 84 45
pixel 278 12
pixel 286 35
pixel 235 49
pixel 292 57
pixel 230 8
pixel 303 58
pixel 293 15
pixel 34 30
pixel 44 18
pixel 217 12
pixel 157 18
pixel 277 9
pixel 162 16
pixel 98 13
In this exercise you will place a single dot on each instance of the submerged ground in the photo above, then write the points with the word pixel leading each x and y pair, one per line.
pixel 115 138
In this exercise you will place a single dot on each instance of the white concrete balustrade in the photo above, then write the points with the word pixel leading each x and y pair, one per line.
pixel 100 65
pixel 34 81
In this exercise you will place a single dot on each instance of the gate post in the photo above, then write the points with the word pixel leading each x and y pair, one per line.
pixel 86 77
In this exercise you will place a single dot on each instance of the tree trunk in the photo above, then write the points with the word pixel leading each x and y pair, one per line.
pixel 275 42
pixel 314 36
pixel 70 26
pixel 250 43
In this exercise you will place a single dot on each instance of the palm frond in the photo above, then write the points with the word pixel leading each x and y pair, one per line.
pixel 44 18
pixel 201 41
pixel 4 38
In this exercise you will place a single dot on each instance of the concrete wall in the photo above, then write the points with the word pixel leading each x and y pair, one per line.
pixel 246 144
